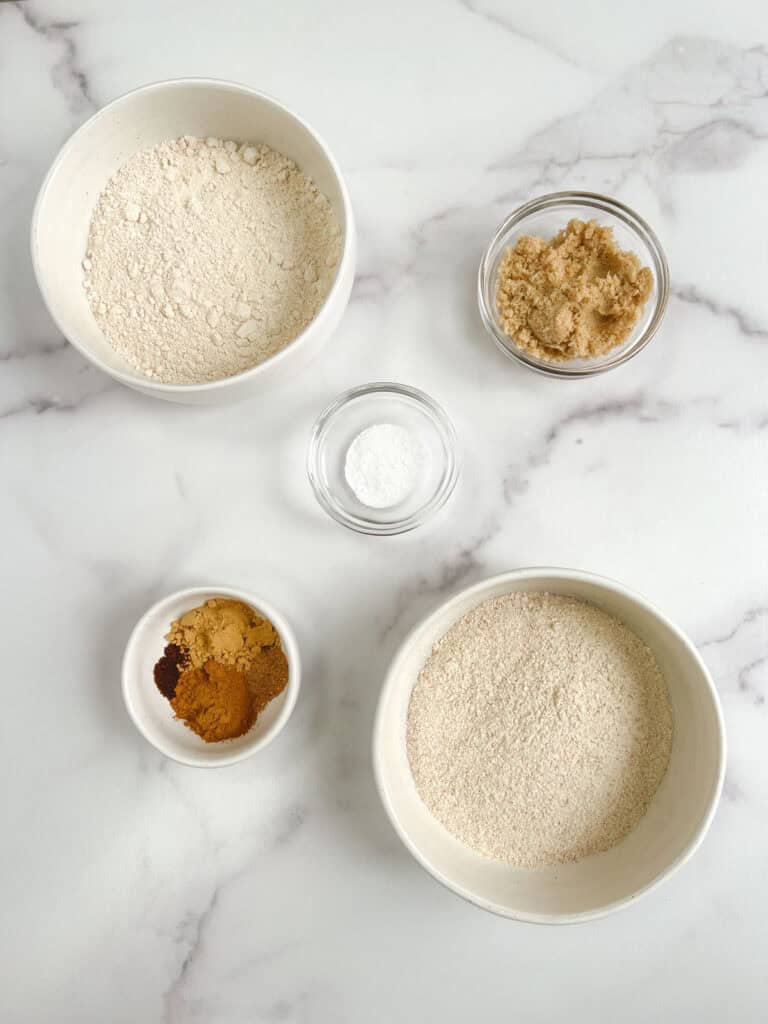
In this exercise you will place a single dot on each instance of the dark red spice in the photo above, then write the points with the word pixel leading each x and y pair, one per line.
pixel 169 668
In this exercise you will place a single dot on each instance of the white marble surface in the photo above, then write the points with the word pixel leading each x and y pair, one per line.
pixel 137 890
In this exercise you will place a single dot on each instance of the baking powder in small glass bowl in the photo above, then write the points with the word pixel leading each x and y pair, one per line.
pixel 382 458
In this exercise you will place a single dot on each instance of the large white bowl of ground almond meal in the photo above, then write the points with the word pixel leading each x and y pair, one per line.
pixel 140 120
pixel 666 835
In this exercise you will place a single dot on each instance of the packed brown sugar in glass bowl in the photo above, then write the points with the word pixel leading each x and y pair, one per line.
pixel 576 297
pixel 559 280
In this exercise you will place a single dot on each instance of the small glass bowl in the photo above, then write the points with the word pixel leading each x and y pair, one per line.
pixel 546 216
pixel 363 407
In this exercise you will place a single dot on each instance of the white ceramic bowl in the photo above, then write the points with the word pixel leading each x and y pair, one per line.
pixel 153 715
pixel 665 838
pixel 141 119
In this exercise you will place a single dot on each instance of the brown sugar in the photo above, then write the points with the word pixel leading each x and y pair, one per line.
pixel 576 297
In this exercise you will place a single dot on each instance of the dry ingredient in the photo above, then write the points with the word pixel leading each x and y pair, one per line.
pixel 169 668
pixel 206 257
pixel 539 729
pixel 383 464
pixel 214 701
pixel 266 675
pixel 223 664
pixel 576 297
pixel 226 630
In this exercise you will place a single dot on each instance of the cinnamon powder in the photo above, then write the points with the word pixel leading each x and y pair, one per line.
pixel 214 701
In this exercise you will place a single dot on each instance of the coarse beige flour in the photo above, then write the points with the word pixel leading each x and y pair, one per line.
pixel 206 256
pixel 539 729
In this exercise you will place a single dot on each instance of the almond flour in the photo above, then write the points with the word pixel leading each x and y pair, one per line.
pixel 206 256
pixel 539 730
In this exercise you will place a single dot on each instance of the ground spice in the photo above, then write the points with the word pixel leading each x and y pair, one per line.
pixel 228 631
pixel 267 676
pixel 215 701
pixel 168 669
pixel 576 297
pixel 222 666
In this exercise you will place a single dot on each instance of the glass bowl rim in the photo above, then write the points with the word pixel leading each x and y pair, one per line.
pixel 448 478
pixel 596 201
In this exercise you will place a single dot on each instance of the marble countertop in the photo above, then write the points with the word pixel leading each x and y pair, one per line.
pixel 134 889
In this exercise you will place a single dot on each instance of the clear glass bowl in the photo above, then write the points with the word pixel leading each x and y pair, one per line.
pixel 366 406
pixel 546 216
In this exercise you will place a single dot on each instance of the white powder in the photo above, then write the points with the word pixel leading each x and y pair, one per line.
pixel 539 729
pixel 383 464
pixel 206 257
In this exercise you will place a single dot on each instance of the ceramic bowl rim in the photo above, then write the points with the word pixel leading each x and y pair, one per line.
pixel 289 644
pixel 710 691
pixel 223 383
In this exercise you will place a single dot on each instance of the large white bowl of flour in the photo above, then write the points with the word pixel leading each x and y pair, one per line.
pixel 141 120
pixel 666 835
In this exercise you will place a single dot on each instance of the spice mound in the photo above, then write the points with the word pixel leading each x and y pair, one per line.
pixel 221 667
pixel 576 297
pixel 539 730
pixel 207 256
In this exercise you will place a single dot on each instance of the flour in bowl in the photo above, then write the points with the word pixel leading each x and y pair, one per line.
pixel 205 257
pixel 539 729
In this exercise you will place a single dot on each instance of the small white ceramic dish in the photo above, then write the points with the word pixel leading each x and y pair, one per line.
pixel 141 119
pixel 665 838
pixel 153 715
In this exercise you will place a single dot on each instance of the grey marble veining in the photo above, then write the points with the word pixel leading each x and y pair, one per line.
pixel 276 891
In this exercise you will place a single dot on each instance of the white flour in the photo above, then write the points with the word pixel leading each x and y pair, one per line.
pixel 205 257
pixel 539 729
pixel 383 464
